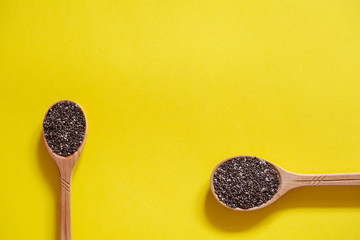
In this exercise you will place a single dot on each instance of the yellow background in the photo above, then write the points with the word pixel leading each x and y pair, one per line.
pixel 170 89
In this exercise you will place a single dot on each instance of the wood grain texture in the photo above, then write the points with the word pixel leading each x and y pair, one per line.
pixel 66 167
pixel 290 180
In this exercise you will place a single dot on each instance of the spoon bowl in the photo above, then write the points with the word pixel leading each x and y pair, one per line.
pixel 67 162
pixel 290 180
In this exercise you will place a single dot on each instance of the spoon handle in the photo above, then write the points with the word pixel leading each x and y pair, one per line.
pixel 334 179
pixel 65 209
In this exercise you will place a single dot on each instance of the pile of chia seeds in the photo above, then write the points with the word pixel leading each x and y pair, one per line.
pixel 245 182
pixel 64 128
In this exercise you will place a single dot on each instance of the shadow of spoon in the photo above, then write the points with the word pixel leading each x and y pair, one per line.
pixel 51 174
pixel 312 197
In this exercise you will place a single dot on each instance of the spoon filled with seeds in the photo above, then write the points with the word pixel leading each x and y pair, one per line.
pixel 245 183
pixel 65 132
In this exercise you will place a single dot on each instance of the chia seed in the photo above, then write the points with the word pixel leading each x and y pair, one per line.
pixel 64 128
pixel 245 182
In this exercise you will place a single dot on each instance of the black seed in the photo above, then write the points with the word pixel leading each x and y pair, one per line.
pixel 245 182
pixel 64 128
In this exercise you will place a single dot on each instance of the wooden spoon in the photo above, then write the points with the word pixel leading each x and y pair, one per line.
pixel 66 166
pixel 290 180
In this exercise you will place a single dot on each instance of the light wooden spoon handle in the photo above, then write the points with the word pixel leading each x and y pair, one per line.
pixel 65 209
pixel 335 179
